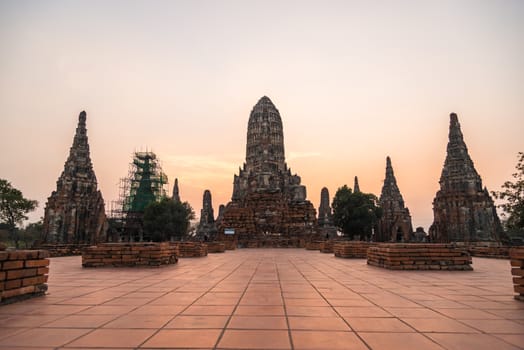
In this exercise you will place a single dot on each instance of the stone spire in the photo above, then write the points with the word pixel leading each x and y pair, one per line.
pixel 207 228
pixel 463 210
pixel 325 216
pixel 75 213
pixel 356 187
pixel 395 223
pixel 176 193
pixel 265 138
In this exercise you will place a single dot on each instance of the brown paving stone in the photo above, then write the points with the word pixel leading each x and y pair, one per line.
pixel 196 322
pixel 183 338
pixel 306 302
pixel 257 322
pixel 468 314
pixel 371 311
pixel 496 326
pixel 158 310
pixel 139 321
pixel 107 338
pixel 255 339
pixel 318 323
pixel 413 312
pixel 439 325
pixel 27 320
pixel 108 310
pixel 81 321
pixel 455 341
pixel 44 337
pixel 513 339
pixel 377 324
pixel 248 310
pixel 219 310
pixel 318 340
pixel 320 311
pixel 404 341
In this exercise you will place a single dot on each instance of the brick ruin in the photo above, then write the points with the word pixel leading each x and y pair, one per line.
pixel 463 209
pixel 395 223
pixel 74 213
pixel 268 203
pixel 325 216
pixel 207 228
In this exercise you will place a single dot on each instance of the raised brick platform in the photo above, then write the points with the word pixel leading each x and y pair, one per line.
pixel 314 245
pixel 56 250
pixel 352 249
pixel 517 270
pixel 327 247
pixel 501 252
pixel 191 249
pixel 129 254
pixel 23 274
pixel 216 247
pixel 419 256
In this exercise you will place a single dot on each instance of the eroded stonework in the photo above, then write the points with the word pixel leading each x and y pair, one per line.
pixel 325 216
pixel 463 209
pixel 207 229
pixel 395 223
pixel 268 200
pixel 75 213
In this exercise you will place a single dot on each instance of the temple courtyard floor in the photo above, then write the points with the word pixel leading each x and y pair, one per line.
pixel 268 299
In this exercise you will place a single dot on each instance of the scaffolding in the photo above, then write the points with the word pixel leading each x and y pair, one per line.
pixel 144 184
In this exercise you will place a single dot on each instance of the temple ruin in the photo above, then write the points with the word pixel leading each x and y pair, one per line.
pixel 395 223
pixel 325 216
pixel 268 204
pixel 74 212
pixel 207 228
pixel 463 209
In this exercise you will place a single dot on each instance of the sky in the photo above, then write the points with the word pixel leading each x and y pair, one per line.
pixel 354 81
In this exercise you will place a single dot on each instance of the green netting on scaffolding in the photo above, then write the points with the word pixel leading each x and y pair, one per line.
pixel 146 182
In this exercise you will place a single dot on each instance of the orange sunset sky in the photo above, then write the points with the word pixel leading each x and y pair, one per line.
pixel 354 81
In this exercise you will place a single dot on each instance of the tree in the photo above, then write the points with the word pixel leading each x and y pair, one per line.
pixel 13 209
pixel 513 194
pixel 355 213
pixel 31 233
pixel 167 219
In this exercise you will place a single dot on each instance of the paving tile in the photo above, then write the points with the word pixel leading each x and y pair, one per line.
pixel 196 322
pixel 419 312
pixel 100 338
pixel 440 325
pixel 81 321
pixel 248 310
pixel 404 341
pixel 320 311
pixel 513 339
pixel 43 337
pixel 27 320
pixel 454 341
pixel 158 310
pixel 377 324
pixel 318 323
pixel 209 310
pixel 183 338
pixel 468 314
pixel 255 339
pixel 305 302
pixel 139 321
pixel 257 322
pixel 322 340
pixel 372 311
pixel 496 326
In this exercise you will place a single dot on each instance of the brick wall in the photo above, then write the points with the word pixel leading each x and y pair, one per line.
pixel 129 254
pixel 23 274
pixel 327 247
pixel 191 249
pixel 314 245
pixel 517 270
pixel 216 247
pixel 352 249
pixel 64 249
pixel 419 256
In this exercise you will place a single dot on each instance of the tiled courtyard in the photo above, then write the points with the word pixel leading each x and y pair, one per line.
pixel 268 299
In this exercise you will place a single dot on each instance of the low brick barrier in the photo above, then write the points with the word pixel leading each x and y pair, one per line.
pixel 57 250
pixel 216 247
pixel 23 274
pixel 501 252
pixel 314 245
pixel 191 249
pixel 129 254
pixel 517 271
pixel 327 247
pixel 419 256
pixel 230 245
pixel 352 249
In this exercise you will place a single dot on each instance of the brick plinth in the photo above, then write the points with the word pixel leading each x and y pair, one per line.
pixel 23 274
pixel 314 245
pixel 517 270
pixel 216 247
pixel 191 249
pixel 327 247
pixel 56 250
pixel 419 256
pixel 352 249
pixel 129 254
pixel 500 252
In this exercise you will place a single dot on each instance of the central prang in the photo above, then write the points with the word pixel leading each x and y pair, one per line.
pixel 268 206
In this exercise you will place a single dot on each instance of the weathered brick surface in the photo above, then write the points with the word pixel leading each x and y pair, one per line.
pixel 516 256
pixel 314 245
pixel 216 247
pixel 64 249
pixel 129 254
pixel 191 249
pixel 500 252
pixel 419 256
pixel 327 247
pixel 23 274
pixel 352 249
